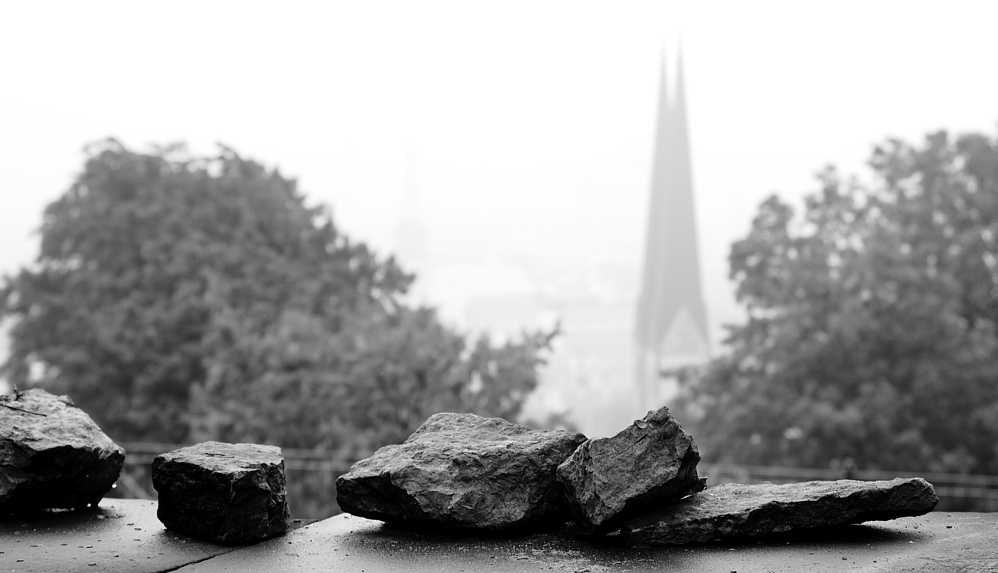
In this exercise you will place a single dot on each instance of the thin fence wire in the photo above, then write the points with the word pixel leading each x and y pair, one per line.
pixel 312 475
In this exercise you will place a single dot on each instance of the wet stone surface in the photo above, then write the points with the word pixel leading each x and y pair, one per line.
pixel 117 535
pixel 651 462
pixel 227 493
pixel 464 471
pixel 124 535
pixel 732 511
pixel 346 543
pixel 52 454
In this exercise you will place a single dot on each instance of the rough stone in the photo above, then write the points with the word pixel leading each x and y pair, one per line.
pixel 226 493
pixel 731 511
pixel 52 455
pixel 464 471
pixel 652 461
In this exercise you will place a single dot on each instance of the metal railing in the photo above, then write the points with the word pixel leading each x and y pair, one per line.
pixel 978 492
pixel 135 480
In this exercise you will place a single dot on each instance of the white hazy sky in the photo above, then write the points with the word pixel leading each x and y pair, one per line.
pixel 530 122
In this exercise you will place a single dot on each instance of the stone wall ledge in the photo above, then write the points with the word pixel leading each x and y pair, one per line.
pixel 125 535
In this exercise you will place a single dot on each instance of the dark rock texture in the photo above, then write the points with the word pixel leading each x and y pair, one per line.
pixel 52 455
pixel 652 461
pixel 734 510
pixel 227 493
pixel 463 471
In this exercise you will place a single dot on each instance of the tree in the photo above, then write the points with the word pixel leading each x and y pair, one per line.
pixel 385 374
pixel 181 298
pixel 871 330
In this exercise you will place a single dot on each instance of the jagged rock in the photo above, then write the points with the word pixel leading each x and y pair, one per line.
pixel 734 510
pixel 227 493
pixel 52 455
pixel 652 461
pixel 463 471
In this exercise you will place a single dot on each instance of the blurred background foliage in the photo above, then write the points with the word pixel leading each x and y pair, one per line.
pixel 178 299
pixel 871 333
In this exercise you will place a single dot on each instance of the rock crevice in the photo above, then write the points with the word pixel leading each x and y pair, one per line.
pixel 651 462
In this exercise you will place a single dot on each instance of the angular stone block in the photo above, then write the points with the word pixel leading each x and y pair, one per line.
pixel 731 511
pixel 652 461
pixel 52 455
pixel 464 471
pixel 226 493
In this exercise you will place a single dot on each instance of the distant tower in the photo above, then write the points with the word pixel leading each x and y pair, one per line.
pixel 411 240
pixel 671 323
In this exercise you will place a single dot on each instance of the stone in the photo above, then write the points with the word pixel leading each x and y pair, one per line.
pixel 231 494
pixel 52 454
pixel 465 472
pixel 652 461
pixel 731 511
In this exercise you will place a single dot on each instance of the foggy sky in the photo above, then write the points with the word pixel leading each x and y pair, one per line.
pixel 532 122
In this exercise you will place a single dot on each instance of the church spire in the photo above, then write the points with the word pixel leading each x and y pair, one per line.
pixel 671 319
pixel 646 323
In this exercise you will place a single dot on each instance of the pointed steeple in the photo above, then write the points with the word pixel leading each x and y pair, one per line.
pixel 671 319
pixel 645 321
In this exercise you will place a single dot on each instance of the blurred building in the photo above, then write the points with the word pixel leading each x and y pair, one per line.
pixel 622 324
pixel 671 321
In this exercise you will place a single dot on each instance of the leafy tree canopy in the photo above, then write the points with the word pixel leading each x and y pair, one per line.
pixel 181 298
pixel 871 330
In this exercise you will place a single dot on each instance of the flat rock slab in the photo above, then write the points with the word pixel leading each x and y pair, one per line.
pixel 117 536
pixel 936 542
pixel 52 455
pixel 651 462
pixel 464 471
pixel 125 536
pixel 733 511
pixel 227 493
